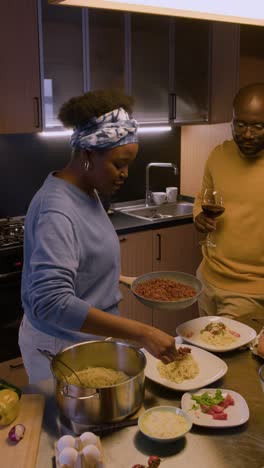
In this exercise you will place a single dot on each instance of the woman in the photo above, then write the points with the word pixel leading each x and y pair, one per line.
pixel 70 281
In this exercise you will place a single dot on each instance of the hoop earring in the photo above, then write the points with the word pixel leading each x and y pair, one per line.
pixel 86 165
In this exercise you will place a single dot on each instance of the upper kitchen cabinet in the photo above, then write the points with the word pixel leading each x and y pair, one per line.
pixel 149 66
pixel 106 48
pixel 20 75
pixel 131 52
pixel 62 58
pixel 206 71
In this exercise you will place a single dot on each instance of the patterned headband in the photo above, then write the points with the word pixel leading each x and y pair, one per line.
pixel 105 132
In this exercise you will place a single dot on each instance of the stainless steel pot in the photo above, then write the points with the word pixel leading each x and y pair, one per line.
pixel 91 406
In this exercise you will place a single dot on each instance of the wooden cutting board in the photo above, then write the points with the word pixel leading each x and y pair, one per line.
pixel 23 454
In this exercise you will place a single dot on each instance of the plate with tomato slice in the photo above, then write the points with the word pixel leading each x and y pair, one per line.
pixel 215 407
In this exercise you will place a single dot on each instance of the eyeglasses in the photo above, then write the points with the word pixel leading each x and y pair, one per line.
pixel 241 127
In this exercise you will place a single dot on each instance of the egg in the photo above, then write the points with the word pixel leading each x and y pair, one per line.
pixel 91 454
pixel 68 456
pixel 65 441
pixel 88 438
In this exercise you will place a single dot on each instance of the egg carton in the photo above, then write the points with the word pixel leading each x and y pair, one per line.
pixel 85 451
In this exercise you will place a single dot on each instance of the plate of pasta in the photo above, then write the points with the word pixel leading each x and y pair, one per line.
pixel 215 333
pixel 195 370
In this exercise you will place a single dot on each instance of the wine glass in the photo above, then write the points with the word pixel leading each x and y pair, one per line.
pixel 212 206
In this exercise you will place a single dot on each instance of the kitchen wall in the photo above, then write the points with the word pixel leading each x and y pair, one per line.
pixel 25 161
pixel 197 141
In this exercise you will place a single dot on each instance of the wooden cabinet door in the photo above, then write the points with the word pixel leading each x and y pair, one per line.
pixel 107 49
pixel 136 259
pixel 175 248
pixel 62 56
pixel 205 79
pixel 150 66
pixel 19 77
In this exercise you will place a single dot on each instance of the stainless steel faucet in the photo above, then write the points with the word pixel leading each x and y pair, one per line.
pixel 149 200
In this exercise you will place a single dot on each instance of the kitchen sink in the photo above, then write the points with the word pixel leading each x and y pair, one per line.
pixel 179 209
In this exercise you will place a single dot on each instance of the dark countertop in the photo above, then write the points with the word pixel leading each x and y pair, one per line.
pixel 125 224
pixel 234 447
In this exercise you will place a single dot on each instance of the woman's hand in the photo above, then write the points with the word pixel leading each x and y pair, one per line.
pixel 160 345
pixel 204 224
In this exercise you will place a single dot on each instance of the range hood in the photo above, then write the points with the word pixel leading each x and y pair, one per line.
pixel 232 11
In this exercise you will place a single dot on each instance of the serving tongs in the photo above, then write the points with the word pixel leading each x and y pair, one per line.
pixel 50 356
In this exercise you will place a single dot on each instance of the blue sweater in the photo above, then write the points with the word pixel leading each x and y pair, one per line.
pixel 71 260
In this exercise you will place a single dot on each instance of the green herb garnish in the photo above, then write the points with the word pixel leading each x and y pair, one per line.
pixel 209 400
pixel 194 407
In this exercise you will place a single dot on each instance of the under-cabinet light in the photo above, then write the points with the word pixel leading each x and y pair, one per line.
pixel 232 11
pixel 64 133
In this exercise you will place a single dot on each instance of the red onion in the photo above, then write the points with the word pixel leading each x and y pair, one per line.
pixel 154 461
pixel 17 433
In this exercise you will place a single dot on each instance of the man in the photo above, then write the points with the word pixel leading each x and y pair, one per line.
pixel 233 271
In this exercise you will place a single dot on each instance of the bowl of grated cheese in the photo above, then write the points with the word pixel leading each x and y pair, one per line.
pixel 164 423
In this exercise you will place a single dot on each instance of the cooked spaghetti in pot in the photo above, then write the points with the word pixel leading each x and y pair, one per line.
pixel 178 371
pixel 164 289
pixel 97 377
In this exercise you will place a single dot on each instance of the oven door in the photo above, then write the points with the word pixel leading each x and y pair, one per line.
pixel 10 304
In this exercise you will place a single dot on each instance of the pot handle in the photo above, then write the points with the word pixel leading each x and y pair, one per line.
pixel 46 353
pixel 126 280
pixel 65 392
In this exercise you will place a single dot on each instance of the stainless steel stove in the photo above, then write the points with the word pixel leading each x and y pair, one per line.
pixel 11 232
pixel 11 263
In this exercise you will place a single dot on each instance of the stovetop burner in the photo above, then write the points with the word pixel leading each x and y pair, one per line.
pixel 11 232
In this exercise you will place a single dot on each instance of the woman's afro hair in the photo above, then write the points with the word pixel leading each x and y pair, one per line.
pixel 80 109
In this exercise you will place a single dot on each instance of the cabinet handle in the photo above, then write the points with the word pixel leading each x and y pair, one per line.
pixel 36 112
pixel 16 366
pixel 123 239
pixel 158 257
pixel 172 106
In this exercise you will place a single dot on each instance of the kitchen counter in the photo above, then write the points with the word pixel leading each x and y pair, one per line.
pixel 238 447
pixel 124 224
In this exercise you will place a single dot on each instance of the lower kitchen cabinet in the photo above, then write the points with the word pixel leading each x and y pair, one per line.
pixel 136 259
pixel 13 371
pixel 173 248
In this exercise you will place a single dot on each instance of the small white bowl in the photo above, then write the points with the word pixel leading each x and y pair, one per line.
pixel 164 409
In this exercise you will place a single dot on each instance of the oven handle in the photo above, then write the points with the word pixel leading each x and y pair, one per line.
pixel 11 274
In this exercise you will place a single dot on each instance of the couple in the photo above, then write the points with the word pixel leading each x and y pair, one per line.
pixel 70 281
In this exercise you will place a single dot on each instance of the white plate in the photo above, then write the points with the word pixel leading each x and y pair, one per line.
pixel 211 368
pixel 247 334
pixel 254 345
pixel 237 414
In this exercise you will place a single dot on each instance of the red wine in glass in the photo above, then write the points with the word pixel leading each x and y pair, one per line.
pixel 213 211
pixel 212 206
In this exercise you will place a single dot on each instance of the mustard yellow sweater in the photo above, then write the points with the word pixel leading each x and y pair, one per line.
pixel 237 262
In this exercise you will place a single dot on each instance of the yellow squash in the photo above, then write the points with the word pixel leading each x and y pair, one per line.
pixel 9 406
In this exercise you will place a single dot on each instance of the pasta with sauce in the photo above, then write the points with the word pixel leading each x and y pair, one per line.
pixel 218 334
